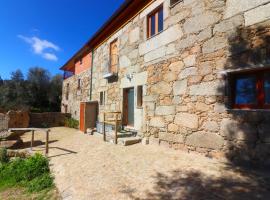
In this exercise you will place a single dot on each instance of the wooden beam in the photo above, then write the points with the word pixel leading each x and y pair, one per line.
pixel 104 121
pixel 32 139
pixel 47 142
pixel 116 125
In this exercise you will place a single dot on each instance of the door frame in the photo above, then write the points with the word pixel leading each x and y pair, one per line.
pixel 125 107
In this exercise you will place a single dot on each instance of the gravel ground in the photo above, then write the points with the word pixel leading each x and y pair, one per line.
pixel 86 168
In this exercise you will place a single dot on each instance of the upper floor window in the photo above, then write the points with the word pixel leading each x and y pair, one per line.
pixel 81 61
pixel 67 91
pixel 79 84
pixel 251 90
pixel 113 65
pixel 155 22
pixel 173 2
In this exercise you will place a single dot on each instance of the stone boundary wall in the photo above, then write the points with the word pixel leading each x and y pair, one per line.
pixel 18 119
pixel 24 119
pixel 3 122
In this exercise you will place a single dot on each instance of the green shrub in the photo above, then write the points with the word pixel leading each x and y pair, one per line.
pixel 71 123
pixel 3 155
pixel 28 173
pixel 42 182
pixel 35 166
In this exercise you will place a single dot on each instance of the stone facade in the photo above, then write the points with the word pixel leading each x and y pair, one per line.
pixel 73 96
pixel 183 73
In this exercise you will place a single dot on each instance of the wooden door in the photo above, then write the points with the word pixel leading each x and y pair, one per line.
pixel 82 117
pixel 113 57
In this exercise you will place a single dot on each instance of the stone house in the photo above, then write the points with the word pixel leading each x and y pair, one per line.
pixel 190 74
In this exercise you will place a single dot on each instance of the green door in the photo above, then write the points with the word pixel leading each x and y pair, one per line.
pixel 130 97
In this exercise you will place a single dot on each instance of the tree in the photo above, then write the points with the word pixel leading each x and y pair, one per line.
pixel 13 94
pixel 17 76
pixel 55 94
pixel 38 81
pixel 39 92
pixel 1 81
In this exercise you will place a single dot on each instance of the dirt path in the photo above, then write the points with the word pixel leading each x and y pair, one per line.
pixel 87 168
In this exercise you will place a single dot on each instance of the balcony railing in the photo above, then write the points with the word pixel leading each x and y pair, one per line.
pixel 68 74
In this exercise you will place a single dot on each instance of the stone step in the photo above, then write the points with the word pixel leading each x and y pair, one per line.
pixel 129 129
pixel 91 131
pixel 129 141
pixel 122 134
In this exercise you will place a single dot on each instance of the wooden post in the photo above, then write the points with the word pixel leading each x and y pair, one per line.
pixel 116 126
pixel 32 139
pixel 47 142
pixel 104 134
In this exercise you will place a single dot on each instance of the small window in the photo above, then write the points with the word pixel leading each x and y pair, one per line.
pixel 67 91
pixel 173 2
pixel 79 84
pixel 66 108
pixel 251 90
pixel 155 22
pixel 81 61
pixel 102 98
pixel 139 96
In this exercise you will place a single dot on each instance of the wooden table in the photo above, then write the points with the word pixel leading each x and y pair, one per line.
pixel 47 131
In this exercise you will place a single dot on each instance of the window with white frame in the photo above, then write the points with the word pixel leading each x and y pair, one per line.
pixel 102 98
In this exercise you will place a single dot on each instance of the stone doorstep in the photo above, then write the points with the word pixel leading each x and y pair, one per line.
pixel 125 138
pixel 129 141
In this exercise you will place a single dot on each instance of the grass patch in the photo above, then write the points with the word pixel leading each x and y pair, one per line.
pixel 30 176
pixel 19 193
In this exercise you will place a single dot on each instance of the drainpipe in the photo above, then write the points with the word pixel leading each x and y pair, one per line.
pixel 91 82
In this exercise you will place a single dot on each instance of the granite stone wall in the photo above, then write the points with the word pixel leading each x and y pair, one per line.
pixel 76 95
pixel 184 72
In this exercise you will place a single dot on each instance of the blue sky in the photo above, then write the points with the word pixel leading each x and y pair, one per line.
pixel 47 33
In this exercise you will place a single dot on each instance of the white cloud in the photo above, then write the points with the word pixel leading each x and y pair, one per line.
pixel 50 56
pixel 41 47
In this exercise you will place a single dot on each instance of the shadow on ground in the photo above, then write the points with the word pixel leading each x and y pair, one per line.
pixel 194 185
pixel 66 152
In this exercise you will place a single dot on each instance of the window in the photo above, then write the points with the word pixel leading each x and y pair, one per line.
pixel 251 90
pixel 113 57
pixel 155 22
pixel 173 2
pixel 81 61
pixel 66 108
pixel 139 96
pixel 102 98
pixel 67 91
pixel 79 84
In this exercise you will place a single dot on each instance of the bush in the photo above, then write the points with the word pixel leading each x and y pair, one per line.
pixel 42 182
pixel 29 173
pixel 3 155
pixel 72 123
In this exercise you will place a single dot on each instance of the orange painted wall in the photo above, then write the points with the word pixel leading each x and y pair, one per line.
pixel 86 64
